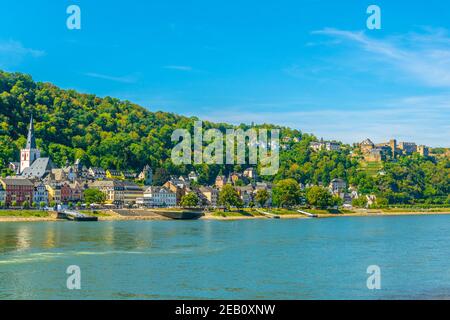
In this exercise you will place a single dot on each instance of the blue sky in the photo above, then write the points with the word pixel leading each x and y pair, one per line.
pixel 311 65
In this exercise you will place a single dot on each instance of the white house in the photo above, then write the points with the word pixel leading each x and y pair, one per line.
pixel 250 173
pixel 193 176
pixel 159 197
pixel 337 186
pixel 40 193
pixel 332 146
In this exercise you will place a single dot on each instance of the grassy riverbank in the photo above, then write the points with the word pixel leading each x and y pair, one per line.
pixel 241 214
pixel 322 213
pixel 24 213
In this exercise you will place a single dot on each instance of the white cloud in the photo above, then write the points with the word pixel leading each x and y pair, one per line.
pixel 13 53
pixel 122 79
pixel 179 68
pixel 424 57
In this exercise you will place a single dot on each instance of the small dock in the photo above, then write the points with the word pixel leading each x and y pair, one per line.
pixel 311 215
pixel 268 214
pixel 75 216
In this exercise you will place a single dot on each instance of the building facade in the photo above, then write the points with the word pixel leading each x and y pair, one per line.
pixel 40 194
pixel 423 151
pixel 407 147
pixel 220 182
pixel 211 195
pixel 160 197
pixel 177 186
pixel 2 195
pixel 17 190
pixel 131 192
pixel 338 186
pixel 113 190
pixel 146 175
pixel 54 192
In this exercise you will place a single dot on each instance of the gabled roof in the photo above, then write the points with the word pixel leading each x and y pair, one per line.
pixel 207 189
pixel 367 142
pixel 40 168
pixel 106 183
pixel 17 182
pixel 97 170
pixel 338 180
pixel 154 189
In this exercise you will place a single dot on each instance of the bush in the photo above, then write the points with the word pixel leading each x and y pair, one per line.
pixel 360 202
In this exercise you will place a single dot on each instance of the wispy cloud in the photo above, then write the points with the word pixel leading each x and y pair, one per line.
pixel 425 57
pixel 13 52
pixel 402 118
pixel 179 68
pixel 122 79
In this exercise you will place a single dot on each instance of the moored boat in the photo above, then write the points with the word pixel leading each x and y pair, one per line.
pixel 180 215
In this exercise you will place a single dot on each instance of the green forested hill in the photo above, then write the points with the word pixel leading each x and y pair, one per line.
pixel 101 131
pixel 104 132
pixel 118 134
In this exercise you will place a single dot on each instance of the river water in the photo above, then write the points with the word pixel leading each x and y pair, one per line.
pixel 257 259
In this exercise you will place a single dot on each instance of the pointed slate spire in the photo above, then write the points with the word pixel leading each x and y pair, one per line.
pixel 31 141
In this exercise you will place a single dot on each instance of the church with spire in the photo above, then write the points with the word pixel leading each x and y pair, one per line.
pixel 31 153
pixel 31 163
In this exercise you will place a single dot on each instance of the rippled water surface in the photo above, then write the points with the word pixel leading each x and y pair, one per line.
pixel 258 259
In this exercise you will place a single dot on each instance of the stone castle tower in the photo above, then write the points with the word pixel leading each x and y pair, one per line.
pixel 393 145
pixel 30 153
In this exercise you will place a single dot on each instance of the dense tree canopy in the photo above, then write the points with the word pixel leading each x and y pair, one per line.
pixel 286 193
pixel 189 200
pixel 228 197
pixel 94 196
pixel 261 197
pixel 319 197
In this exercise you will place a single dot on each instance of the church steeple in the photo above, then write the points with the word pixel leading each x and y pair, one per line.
pixel 31 140
pixel 31 152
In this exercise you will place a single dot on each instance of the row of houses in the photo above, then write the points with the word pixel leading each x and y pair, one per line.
pixel 325 145
pixel 20 190
pixel 54 189
pixel 121 193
